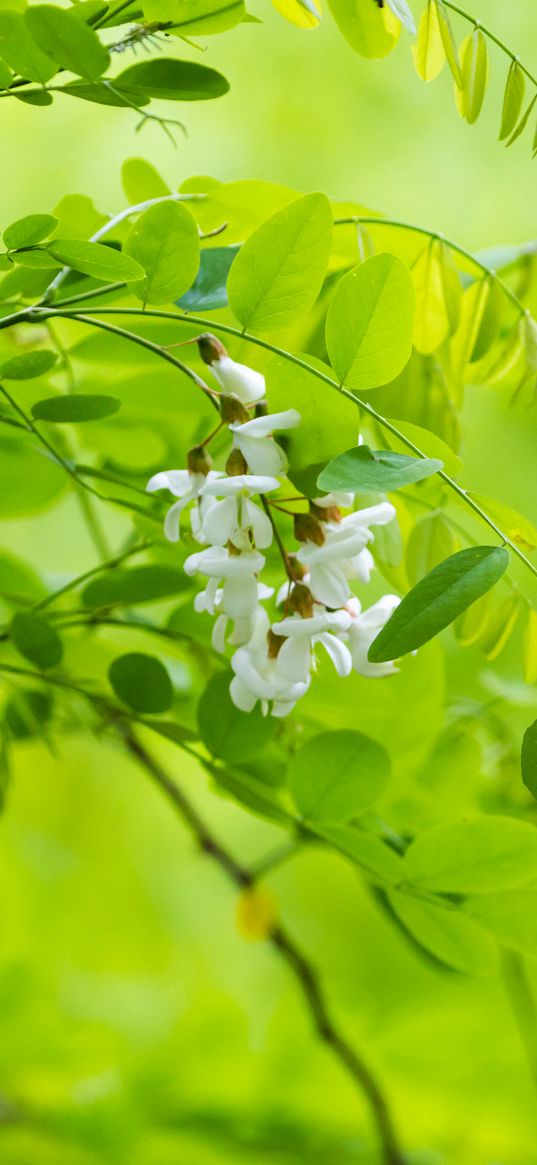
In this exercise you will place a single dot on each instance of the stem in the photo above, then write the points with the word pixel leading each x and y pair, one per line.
pixel 523 1004
pixel 228 329
pixel 75 582
pixel 283 943
pixel 491 36
pixel 278 539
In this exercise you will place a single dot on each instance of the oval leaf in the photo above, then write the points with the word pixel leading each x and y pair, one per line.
pixel 21 52
pixel 279 271
pixel 165 243
pixel 429 53
pixel 512 100
pixel 28 365
pixel 28 231
pixel 75 408
pixel 337 775
pixel 68 40
pixel 36 640
pixel 95 259
pixel 142 682
pixel 129 587
pixel 362 470
pixel 229 734
pixel 438 599
pixel 475 67
pixel 371 303
pixel 172 80
pixel 209 291
pixel 478 855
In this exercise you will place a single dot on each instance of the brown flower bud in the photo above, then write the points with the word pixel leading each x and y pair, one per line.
pixel 236 464
pixel 298 569
pixel 301 600
pixel 275 643
pixel 232 409
pixel 308 529
pixel 325 513
pixel 210 348
pixel 198 460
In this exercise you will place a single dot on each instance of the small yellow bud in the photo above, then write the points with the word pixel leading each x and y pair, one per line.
pixel 198 460
pixel 308 529
pixel 256 913
pixel 232 409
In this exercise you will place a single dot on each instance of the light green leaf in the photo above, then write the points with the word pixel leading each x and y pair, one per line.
pixel 370 321
pixel 478 855
pixel 70 42
pixel 134 585
pixel 142 682
pixel 361 469
pixel 35 639
pixel 229 734
pixel 517 528
pixel 21 52
pixel 475 68
pixel 365 27
pixel 75 407
pixel 431 540
pixel 29 482
pixel 429 53
pixel 172 80
pixel 447 934
pixel 432 319
pixel 519 129
pixel 141 181
pixel 95 259
pixel 165 244
pixel 196 17
pixel 278 273
pixel 378 860
pixel 337 775
pixel 28 231
pixel 511 916
pixel 512 100
pixel 449 42
pixel 438 599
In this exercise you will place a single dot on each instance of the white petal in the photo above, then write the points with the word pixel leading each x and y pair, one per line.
pixel 338 652
pixel 252 517
pixel 243 698
pixel 338 497
pixel 250 676
pixel 294 660
pixel 248 384
pixel 295 627
pixel 329 585
pixel 171 522
pixel 263 455
pixel 176 480
pixel 239 596
pixel 218 637
pixel 264 426
pixel 220 522
pixel 248 483
pixel 360 566
pixel 281 708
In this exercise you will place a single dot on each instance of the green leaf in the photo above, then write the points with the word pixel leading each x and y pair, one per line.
pixel 512 100
pixel 478 855
pixel 438 599
pixel 229 734
pixel 95 259
pixel 28 364
pixel 35 639
pixel 511 916
pixel 364 27
pixel 209 291
pixel 429 53
pixel 78 218
pixel 100 94
pixel 519 129
pixel 337 775
pixel 328 420
pixel 517 528
pixel 449 42
pixel 431 540
pixel 20 51
pixel 529 759
pixel 141 181
pixel 164 242
pixel 432 320
pixel 18 581
pixel 373 856
pixel 475 67
pixel 447 934
pixel 362 470
pixel 29 481
pixel 75 408
pixel 278 273
pixel 173 80
pixel 373 301
pixel 196 17
pixel 69 41
pixel 28 231
pixel 26 713
pixel 142 682
pixel 35 97
pixel 133 585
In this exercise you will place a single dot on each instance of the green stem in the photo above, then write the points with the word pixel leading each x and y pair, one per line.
pixel 491 36
pixel 228 329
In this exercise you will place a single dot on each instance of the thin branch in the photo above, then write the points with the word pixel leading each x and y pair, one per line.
pixel 491 36
pixel 80 578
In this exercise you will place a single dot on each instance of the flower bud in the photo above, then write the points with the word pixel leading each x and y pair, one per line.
pixel 308 529
pixel 236 464
pixel 275 643
pixel 325 513
pixel 210 348
pixel 261 409
pixel 232 409
pixel 198 460
pixel 301 600
pixel 298 568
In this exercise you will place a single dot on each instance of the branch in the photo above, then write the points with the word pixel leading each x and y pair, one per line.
pixel 282 942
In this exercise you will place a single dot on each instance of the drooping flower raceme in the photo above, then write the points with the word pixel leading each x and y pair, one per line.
pixel 233 515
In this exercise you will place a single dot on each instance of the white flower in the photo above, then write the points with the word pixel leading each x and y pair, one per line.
pixel 364 628
pixel 344 554
pixel 296 656
pixel 338 497
pixel 242 627
pixel 245 382
pixel 257 445
pixel 239 592
pixel 235 518
pixel 187 487
pixel 257 677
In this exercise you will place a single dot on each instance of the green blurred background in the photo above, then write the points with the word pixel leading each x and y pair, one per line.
pixel 138 1027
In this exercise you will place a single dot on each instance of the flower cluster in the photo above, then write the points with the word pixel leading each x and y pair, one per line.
pixel 233 518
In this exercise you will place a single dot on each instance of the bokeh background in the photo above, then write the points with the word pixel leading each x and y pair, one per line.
pixel 138 1027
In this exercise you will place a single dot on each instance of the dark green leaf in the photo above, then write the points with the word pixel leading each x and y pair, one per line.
pixel 229 734
pixel 26 713
pixel 209 292
pixel 28 364
pixel 28 231
pixel 529 759
pixel 173 80
pixel 75 407
pixel 36 640
pixel 438 599
pixel 131 586
pixel 142 682
pixel 361 469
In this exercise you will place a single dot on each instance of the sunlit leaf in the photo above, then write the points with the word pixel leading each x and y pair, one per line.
pixel 449 935
pixel 28 231
pixel 337 775
pixel 95 259
pixel 374 300
pixel 449 42
pixel 429 53
pixel 21 52
pixel 365 27
pixel 28 364
pixel 164 242
pixel 512 99
pixel 474 59
pixel 478 855
pixel 70 42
